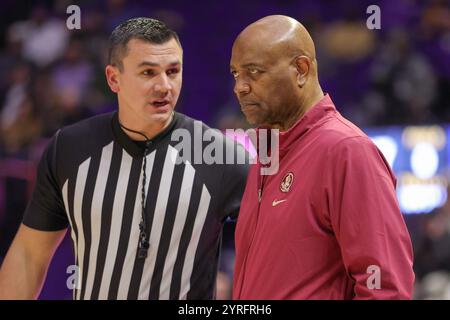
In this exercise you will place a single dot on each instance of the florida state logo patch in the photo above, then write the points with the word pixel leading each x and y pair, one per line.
pixel 286 182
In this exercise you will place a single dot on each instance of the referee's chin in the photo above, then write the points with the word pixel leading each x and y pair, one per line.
pixel 163 118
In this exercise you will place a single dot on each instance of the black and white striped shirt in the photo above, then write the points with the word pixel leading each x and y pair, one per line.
pixel 90 178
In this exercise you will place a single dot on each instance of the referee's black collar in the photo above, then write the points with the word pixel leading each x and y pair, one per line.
pixel 130 146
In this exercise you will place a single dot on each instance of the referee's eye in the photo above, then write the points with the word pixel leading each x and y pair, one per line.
pixel 148 72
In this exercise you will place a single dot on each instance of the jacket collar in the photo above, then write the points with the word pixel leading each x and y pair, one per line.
pixel 308 121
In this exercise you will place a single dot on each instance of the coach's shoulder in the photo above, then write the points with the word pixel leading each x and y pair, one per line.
pixel 341 139
pixel 339 132
pixel 354 145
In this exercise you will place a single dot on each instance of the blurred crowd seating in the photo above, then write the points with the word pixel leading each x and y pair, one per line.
pixel 51 76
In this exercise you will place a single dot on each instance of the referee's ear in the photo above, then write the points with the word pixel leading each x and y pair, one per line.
pixel 111 73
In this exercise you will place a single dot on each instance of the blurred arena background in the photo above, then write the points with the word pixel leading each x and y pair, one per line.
pixel 392 82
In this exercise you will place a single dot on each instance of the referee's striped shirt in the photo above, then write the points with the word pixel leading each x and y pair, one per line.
pixel 90 179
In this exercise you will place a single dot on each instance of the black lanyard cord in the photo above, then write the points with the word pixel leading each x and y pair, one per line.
pixel 143 238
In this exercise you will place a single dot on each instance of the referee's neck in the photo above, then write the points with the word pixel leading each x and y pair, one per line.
pixel 137 133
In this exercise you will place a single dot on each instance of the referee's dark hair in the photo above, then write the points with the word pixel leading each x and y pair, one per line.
pixel 147 29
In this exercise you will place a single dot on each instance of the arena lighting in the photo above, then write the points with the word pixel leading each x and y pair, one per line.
pixel 424 160
pixel 421 198
pixel 419 157
pixel 388 146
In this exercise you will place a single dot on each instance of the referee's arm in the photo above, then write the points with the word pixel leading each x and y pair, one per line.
pixel 44 225
pixel 23 271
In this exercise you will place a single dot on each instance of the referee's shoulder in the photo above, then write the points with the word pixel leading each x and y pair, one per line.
pixel 213 134
pixel 191 124
pixel 187 122
pixel 87 127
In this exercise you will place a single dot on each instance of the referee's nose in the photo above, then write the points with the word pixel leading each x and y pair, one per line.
pixel 162 85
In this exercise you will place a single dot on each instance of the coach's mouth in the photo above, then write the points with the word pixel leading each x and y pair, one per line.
pixel 245 106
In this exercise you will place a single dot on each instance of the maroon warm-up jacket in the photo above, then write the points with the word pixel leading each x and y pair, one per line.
pixel 328 225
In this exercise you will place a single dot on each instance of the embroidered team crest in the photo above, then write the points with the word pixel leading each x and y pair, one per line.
pixel 286 183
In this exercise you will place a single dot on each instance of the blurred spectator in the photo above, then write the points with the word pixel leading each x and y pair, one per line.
pixel 347 41
pixel 403 84
pixel 43 38
pixel 19 122
pixel 432 248
pixel 9 57
pixel 435 19
pixel 121 10
pixel 71 80
pixel 74 72
pixel 344 49
pixel 434 37
pixel 434 286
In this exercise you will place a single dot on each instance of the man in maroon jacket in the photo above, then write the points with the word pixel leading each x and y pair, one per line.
pixel 327 224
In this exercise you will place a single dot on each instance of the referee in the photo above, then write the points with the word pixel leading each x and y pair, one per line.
pixel 144 225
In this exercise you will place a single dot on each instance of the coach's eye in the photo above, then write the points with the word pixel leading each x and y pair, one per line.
pixel 173 71
pixel 253 70
pixel 235 74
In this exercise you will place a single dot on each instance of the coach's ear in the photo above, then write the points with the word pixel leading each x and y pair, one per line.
pixel 112 73
pixel 303 65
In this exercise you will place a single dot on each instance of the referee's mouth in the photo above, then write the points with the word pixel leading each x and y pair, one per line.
pixel 159 103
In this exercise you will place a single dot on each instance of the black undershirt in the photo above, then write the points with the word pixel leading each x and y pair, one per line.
pixel 140 144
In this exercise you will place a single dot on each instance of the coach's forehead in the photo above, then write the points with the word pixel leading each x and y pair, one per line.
pixel 273 37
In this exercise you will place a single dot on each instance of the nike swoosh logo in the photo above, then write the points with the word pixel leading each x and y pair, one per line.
pixel 277 202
